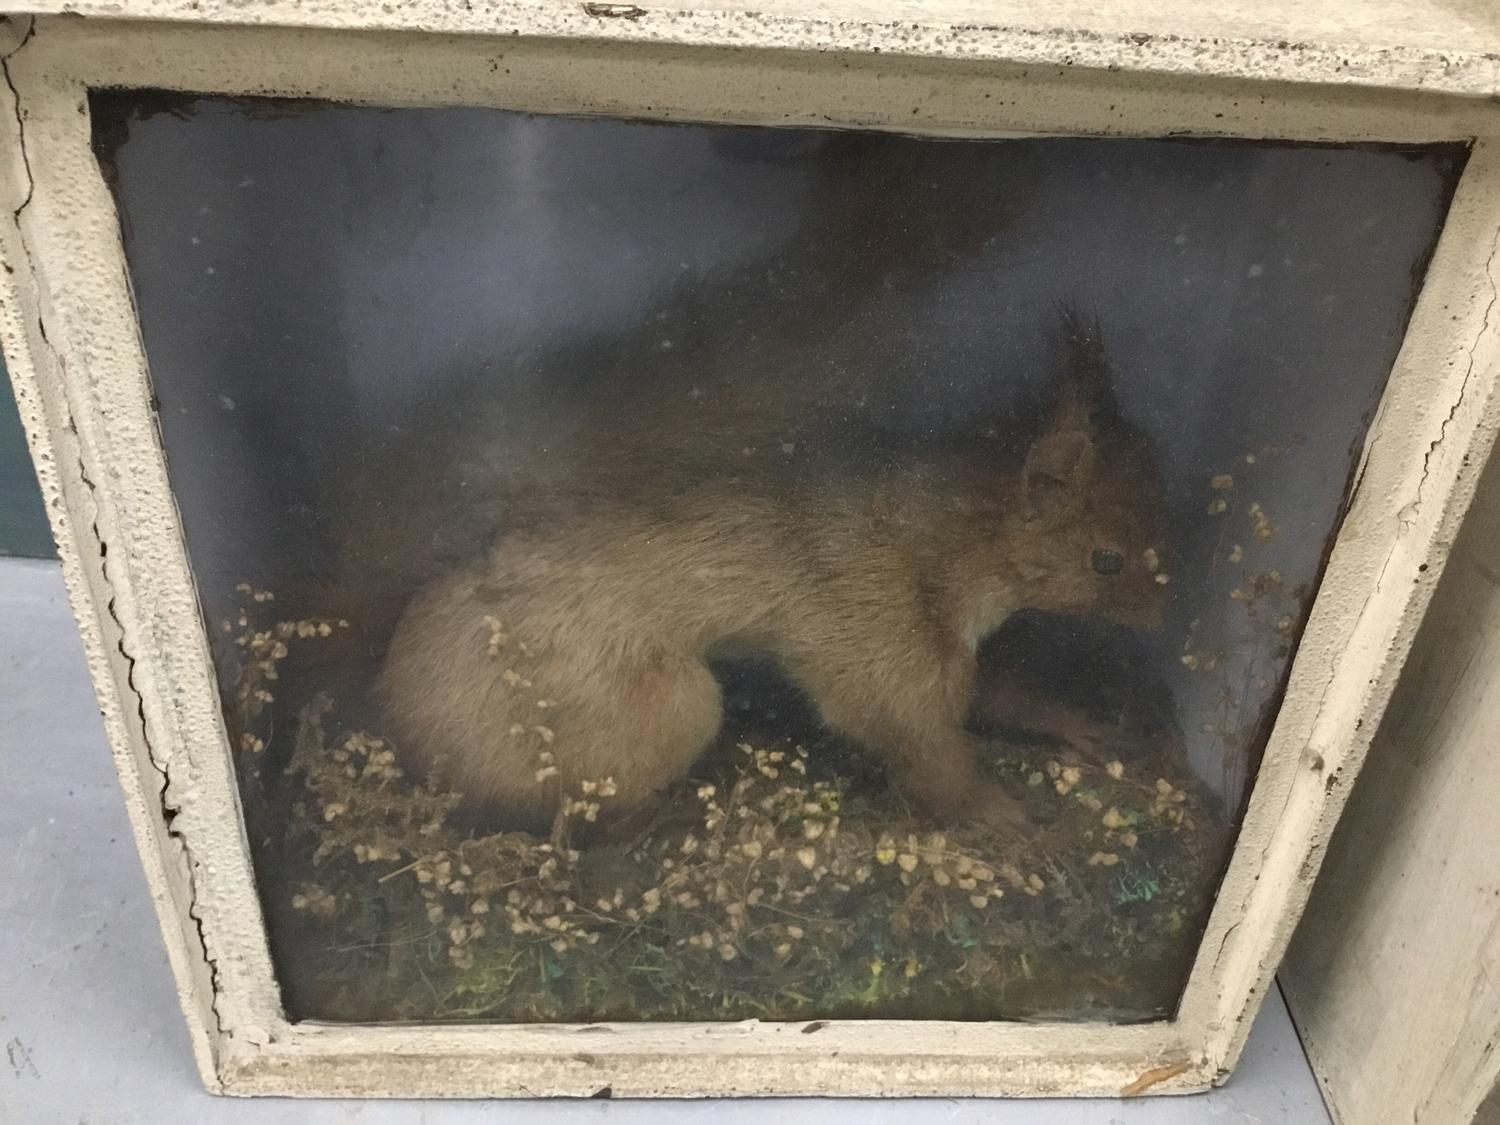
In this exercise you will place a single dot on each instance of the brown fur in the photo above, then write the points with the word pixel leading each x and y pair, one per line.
pixel 576 648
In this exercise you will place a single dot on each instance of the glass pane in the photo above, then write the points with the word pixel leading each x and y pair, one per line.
pixel 678 572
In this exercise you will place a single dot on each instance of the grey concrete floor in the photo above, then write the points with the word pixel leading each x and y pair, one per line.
pixel 89 1019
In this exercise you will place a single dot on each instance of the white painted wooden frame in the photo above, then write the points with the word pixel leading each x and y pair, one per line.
pixel 1335 70
pixel 1401 939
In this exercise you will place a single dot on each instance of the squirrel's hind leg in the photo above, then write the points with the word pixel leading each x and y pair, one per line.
pixel 519 705
pixel 645 713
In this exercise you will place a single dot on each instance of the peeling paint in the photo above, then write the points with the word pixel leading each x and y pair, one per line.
pixel 1421 45
pixel 20 119
pixel 1153 1077
pixel 163 792
pixel 96 535
pixel 1408 513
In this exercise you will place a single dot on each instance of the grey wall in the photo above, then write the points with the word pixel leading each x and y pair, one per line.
pixel 23 523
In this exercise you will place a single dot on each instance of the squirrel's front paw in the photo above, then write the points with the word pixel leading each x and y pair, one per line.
pixel 995 809
pixel 1096 745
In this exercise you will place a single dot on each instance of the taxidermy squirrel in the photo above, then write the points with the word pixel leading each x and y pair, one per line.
pixel 610 417
pixel 575 647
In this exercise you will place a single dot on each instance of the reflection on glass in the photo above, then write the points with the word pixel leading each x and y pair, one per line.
pixel 683 572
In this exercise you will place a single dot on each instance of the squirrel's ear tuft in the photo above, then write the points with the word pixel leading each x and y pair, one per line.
pixel 1062 461
pixel 1082 397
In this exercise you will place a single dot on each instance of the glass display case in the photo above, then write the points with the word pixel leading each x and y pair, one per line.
pixel 616 558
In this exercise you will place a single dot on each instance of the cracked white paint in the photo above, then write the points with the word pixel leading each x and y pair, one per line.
pixel 1408 513
pixel 72 346
pixel 1448 46
pixel 1401 942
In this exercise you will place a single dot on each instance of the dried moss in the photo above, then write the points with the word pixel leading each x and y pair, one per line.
pixel 775 883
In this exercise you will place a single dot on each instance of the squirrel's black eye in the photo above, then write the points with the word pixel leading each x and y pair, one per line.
pixel 1107 562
